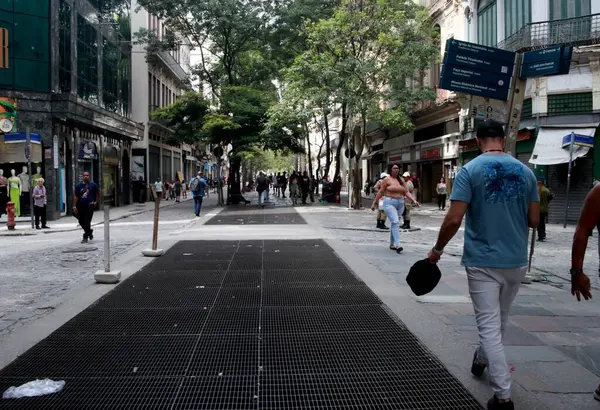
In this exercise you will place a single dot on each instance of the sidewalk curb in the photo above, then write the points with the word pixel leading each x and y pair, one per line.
pixel 25 233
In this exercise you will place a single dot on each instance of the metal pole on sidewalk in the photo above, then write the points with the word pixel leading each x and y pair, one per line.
pixel 106 275
pixel 106 238
pixel 154 252
pixel 569 176
pixel 28 155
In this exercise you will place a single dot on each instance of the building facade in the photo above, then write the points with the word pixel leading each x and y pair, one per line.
pixel 554 106
pixel 65 76
pixel 160 80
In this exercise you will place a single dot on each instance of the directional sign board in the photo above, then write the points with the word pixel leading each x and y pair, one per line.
pixel 478 70
pixel 549 61
pixel 580 140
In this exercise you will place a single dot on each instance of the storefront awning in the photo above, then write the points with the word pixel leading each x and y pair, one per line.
pixel 372 154
pixel 549 149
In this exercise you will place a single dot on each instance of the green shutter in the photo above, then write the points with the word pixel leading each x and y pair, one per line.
pixel 572 103
pixel 32 35
pixel 487 18
pixel 6 5
pixel 40 8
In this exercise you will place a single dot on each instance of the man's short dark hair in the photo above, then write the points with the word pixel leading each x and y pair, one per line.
pixel 490 129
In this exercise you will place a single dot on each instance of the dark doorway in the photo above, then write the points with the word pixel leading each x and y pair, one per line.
pixel 125 198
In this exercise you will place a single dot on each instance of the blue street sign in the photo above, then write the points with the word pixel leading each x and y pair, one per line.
pixel 470 61
pixel 550 61
pixel 477 76
pixel 471 87
pixel 580 140
pixel 488 53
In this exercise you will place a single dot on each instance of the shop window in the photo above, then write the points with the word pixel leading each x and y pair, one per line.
pixel 110 81
pixel 64 69
pixel 566 104
pixel 487 25
pixel 87 61
pixel 527 111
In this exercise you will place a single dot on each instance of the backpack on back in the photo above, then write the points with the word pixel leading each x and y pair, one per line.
pixel 195 185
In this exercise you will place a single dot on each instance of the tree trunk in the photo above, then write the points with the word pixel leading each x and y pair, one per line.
pixel 308 151
pixel 233 179
pixel 338 150
pixel 327 142
pixel 356 182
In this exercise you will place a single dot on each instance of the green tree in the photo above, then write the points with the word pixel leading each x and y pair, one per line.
pixel 372 47
pixel 231 38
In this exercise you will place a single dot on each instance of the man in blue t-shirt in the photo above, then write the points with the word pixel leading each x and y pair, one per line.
pixel 200 185
pixel 499 195
pixel 87 196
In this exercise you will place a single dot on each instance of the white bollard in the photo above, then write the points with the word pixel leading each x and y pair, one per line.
pixel 106 275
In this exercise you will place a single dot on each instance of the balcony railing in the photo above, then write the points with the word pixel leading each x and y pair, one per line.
pixel 577 31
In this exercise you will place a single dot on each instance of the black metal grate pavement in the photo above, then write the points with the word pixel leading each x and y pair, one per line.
pixel 254 215
pixel 258 326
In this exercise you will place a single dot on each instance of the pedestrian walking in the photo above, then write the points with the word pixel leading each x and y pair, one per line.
pixel 499 195
pixel 294 189
pixel 545 197
pixel 314 184
pixel 198 188
pixel 379 206
pixel 158 188
pixel 393 190
pixel 284 183
pixel 87 195
pixel 178 191
pixel 417 185
pixel 442 191
pixel 305 186
pixel 406 214
pixel 262 186
pixel 40 200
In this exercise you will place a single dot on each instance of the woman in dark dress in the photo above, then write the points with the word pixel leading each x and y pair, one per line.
pixel 177 190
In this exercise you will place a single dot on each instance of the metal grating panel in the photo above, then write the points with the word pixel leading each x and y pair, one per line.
pixel 68 355
pixel 319 296
pixel 225 355
pixel 136 322
pixel 311 277
pixel 187 333
pixel 256 216
pixel 218 393
pixel 100 393
pixel 325 319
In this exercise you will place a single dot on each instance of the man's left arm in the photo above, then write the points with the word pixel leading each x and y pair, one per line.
pixel 459 203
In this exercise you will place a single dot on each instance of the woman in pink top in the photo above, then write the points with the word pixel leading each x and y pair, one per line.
pixel 39 204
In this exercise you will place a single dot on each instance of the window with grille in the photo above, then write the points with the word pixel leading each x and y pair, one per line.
pixel 574 103
pixel 64 73
pixel 527 111
pixel 562 9
pixel 87 61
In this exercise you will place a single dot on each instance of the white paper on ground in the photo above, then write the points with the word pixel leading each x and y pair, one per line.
pixel 34 388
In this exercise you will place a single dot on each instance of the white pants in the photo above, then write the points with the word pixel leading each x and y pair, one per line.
pixel 492 292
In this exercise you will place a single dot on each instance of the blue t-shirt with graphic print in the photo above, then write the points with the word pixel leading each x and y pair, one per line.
pixel 498 189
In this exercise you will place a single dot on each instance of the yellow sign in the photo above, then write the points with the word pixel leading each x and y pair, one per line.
pixel 3 48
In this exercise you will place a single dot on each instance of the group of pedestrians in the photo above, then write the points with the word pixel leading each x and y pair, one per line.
pixel 301 186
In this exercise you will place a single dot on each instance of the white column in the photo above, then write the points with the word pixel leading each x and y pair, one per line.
pixel 500 20
pixel 543 96
pixel 595 66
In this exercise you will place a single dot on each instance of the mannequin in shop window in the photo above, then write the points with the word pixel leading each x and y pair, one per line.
pixel 3 192
pixel 36 176
pixel 25 187
pixel 14 191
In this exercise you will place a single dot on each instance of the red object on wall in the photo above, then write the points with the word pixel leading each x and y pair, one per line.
pixel 431 153
pixel 396 158
pixel 10 216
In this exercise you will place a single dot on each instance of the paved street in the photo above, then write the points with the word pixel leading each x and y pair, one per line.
pixel 553 342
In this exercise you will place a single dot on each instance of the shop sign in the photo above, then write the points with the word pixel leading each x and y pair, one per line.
pixel 431 153
pixel 468 145
pixel 8 110
pixel 111 156
pixel 87 150
pixel 524 135
pixel 579 139
pixel 48 153
pixel 395 158
pixel 56 151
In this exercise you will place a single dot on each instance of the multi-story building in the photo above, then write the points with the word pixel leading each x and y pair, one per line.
pixel 554 106
pixel 65 75
pixel 159 81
